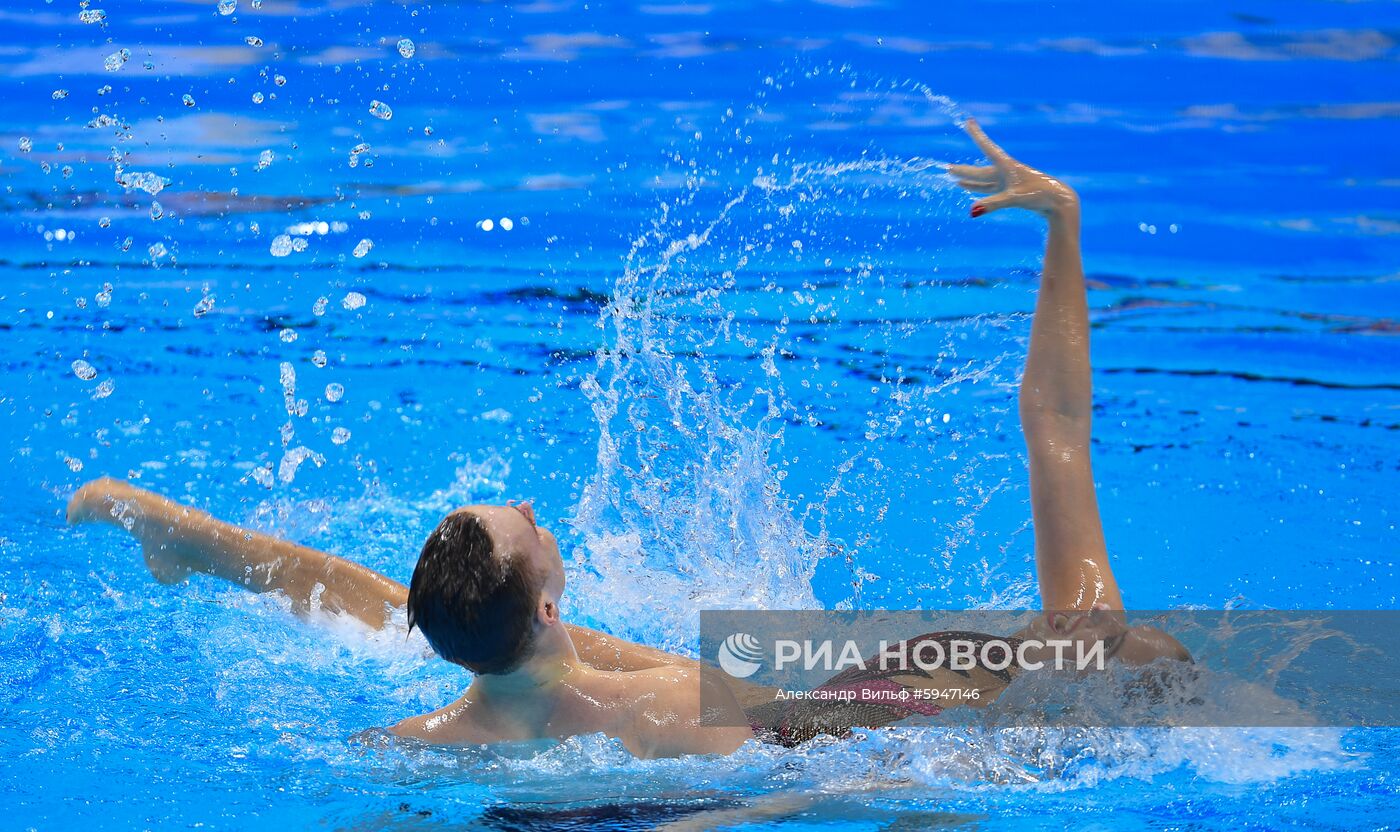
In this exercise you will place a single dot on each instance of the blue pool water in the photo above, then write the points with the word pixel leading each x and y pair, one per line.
pixel 740 343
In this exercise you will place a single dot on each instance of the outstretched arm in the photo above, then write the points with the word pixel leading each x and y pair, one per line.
pixel 1056 388
pixel 179 541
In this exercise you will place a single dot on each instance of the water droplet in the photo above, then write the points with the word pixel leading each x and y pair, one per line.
pixel 334 392
pixel 114 62
pixel 281 246
pixel 59 95
pixel 66 170
pixel 92 15
pixel 340 436
pixel 141 181
pixel 257 4
pixel 156 211
pixel 104 222
pixel 264 160
pixel 507 223
pixel 362 248
pixel 406 48
pixel 299 244
pixel 258 98
pixel 84 370
pixel 379 109
pixel 253 40
pixel 427 131
pixel 353 300
pixel 262 475
pixel 104 389
pixel 25 144
pixel 293 458
pixel 187 100
pixel 204 307
pixel 355 153
pixel 486 225
pixel 126 244
pixel 74 464
pixel 279 80
pixel 157 251
pixel 319 358
pixel 227 7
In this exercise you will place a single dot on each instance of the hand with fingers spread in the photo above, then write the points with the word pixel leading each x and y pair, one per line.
pixel 1010 183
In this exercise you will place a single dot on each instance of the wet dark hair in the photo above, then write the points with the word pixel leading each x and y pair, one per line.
pixel 474 606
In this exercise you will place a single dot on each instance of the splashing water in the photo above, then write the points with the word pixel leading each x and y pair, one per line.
pixel 84 370
pixel 281 245
pixel 141 181
pixel 696 501
pixel 116 60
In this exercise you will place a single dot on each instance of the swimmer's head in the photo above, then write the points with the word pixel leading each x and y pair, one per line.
pixel 1138 645
pixel 486 586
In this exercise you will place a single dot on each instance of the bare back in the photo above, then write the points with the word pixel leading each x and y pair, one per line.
pixel 654 712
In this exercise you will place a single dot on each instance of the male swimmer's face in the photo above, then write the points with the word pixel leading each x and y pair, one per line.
pixel 513 530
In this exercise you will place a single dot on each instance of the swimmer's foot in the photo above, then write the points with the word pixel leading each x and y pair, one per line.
pixel 138 511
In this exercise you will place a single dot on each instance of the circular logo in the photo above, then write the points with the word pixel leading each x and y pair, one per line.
pixel 740 655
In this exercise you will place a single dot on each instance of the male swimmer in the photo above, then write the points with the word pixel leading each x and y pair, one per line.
pixel 486 589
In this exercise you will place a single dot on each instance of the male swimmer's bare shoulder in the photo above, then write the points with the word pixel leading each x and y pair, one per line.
pixel 664 713
pixel 450 725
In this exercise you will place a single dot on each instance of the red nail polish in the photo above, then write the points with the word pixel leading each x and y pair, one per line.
pixel 979 210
